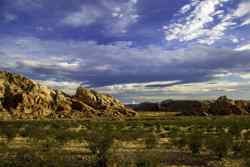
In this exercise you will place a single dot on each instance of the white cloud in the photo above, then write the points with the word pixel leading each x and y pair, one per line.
pixel 104 67
pixel 242 10
pixel 66 86
pixel 206 21
pixel 246 22
pixel 86 16
pixel 44 28
pixel 202 87
pixel 194 26
pixel 131 87
pixel 223 74
pixel 216 33
pixel 9 17
pixel 50 64
pixel 172 87
pixel 244 75
pixel 243 47
pixel 126 15
pixel 186 8
pixel 141 92
pixel 115 16
pixel 234 39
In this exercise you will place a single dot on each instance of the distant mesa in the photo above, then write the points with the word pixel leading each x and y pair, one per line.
pixel 220 106
pixel 21 98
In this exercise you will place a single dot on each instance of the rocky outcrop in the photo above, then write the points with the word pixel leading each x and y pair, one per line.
pixel 25 99
pixel 225 106
pixel 106 104
pixel 220 106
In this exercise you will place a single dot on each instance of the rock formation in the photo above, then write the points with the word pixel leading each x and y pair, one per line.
pixel 25 99
pixel 220 106
pixel 225 106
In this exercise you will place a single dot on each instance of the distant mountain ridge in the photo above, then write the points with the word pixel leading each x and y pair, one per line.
pixel 220 106
pixel 21 98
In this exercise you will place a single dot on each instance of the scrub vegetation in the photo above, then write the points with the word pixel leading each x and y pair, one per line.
pixel 138 142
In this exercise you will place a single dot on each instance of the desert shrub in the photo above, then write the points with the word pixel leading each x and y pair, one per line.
pixel 245 151
pixel 194 141
pixel 130 135
pixel 238 147
pixel 246 162
pixel 62 136
pixel 151 140
pixel 221 163
pixel 8 131
pixel 28 130
pixel 28 157
pixel 100 139
pixel 44 146
pixel 147 159
pixel 173 131
pixel 235 131
pixel 22 158
pixel 8 163
pixel 219 145
pixel 179 141
pixel 143 163
pixel 246 135
pixel 3 146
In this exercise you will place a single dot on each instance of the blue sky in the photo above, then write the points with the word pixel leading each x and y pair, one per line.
pixel 136 50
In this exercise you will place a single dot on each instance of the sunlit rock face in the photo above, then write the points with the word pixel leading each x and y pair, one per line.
pixel 25 99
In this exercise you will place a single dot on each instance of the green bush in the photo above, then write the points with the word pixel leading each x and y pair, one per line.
pixel 195 141
pixel 8 131
pixel 147 158
pixel 180 141
pixel 246 162
pixel 143 163
pixel 219 145
pixel 100 138
pixel 151 140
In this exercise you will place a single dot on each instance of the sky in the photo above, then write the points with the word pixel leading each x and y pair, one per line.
pixel 135 50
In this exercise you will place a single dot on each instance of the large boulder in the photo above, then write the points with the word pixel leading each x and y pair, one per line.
pixel 25 99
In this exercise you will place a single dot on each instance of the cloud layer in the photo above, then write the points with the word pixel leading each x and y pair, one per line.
pixel 118 62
